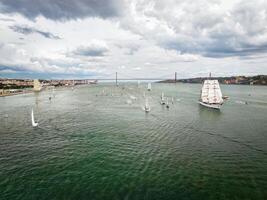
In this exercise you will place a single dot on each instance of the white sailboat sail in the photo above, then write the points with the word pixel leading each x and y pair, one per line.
pixel 162 96
pixel 34 124
pixel 147 107
pixel 167 103
pixel 149 86
pixel 162 101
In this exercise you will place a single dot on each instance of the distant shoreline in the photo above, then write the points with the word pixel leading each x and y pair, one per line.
pixel 15 93
pixel 233 80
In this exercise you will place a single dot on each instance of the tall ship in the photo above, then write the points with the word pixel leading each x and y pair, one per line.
pixel 211 95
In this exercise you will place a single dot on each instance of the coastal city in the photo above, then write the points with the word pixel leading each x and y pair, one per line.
pixel 19 86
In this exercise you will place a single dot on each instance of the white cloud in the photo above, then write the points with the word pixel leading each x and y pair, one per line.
pixel 207 28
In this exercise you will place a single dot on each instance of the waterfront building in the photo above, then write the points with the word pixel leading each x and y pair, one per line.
pixel 37 85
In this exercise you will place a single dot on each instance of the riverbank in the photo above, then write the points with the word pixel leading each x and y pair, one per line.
pixel 12 93
pixel 233 80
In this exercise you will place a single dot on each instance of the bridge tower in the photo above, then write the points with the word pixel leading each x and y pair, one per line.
pixel 116 78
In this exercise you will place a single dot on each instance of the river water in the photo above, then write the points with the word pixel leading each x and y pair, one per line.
pixel 96 142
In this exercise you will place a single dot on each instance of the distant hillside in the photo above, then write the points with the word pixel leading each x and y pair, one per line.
pixel 240 80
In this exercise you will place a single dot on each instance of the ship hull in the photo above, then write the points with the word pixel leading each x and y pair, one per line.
pixel 213 106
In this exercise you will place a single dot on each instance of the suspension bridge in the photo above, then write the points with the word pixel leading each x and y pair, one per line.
pixel 123 77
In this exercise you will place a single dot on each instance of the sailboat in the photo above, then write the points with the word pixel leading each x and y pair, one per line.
pixel 162 101
pixel 147 107
pixel 73 84
pixel 133 97
pixel 211 95
pixel 34 124
pixel 167 103
pixel 149 86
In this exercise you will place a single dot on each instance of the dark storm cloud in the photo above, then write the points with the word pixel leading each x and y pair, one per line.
pixel 92 51
pixel 62 9
pixel 16 68
pixel 217 48
pixel 29 30
pixel 220 50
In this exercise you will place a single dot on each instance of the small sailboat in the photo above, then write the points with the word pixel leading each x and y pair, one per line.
pixel 133 97
pixel 172 100
pixel 225 97
pixel 211 95
pixel 167 103
pixel 147 107
pixel 149 86
pixel 34 124
pixel 162 100
pixel 129 102
pixel 73 84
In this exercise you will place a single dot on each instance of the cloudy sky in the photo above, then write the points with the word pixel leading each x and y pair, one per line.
pixel 136 38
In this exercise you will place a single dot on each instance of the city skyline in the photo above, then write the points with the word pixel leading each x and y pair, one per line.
pixel 95 39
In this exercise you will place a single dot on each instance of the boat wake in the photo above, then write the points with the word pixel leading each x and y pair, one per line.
pixel 241 102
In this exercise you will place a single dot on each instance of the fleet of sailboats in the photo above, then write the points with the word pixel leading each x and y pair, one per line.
pixel 211 97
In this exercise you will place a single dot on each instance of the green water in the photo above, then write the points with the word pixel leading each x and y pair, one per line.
pixel 91 144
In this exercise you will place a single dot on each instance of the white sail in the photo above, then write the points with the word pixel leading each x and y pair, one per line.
pixel 162 101
pixel 167 103
pixel 34 124
pixel 162 96
pixel 147 107
pixel 149 86
pixel 133 97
